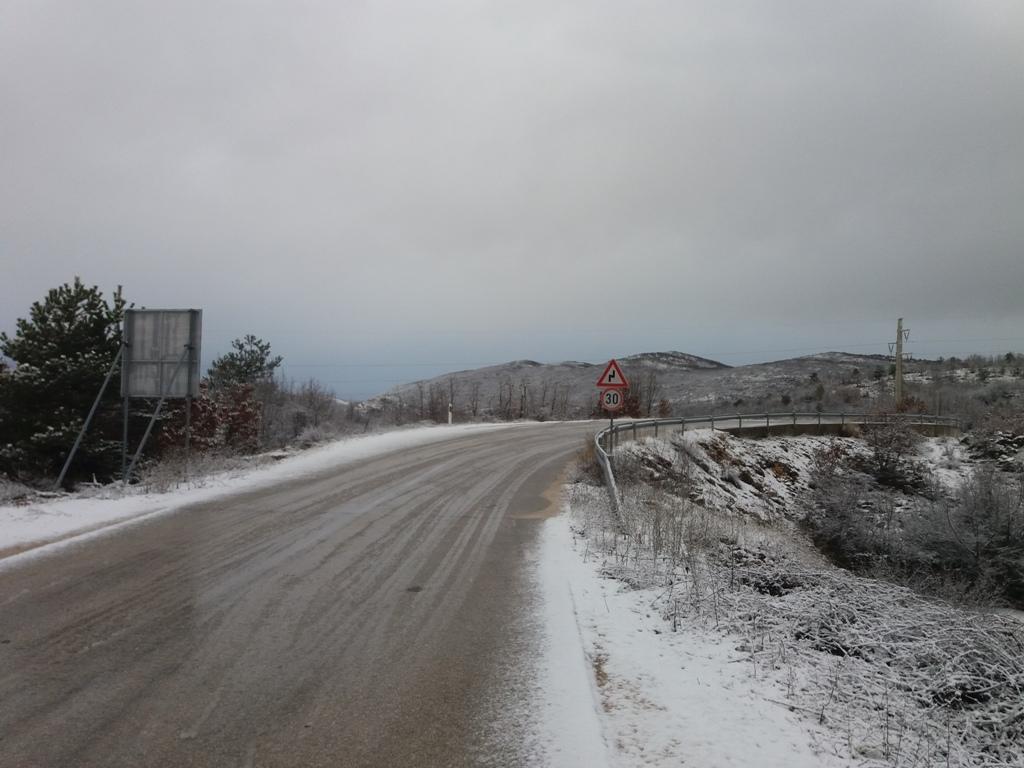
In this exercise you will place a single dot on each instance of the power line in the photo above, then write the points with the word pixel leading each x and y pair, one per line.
pixel 962 341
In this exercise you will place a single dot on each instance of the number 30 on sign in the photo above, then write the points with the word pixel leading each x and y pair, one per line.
pixel 612 400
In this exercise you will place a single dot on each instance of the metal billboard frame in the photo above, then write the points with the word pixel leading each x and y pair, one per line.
pixel 156 342
pixel 160 345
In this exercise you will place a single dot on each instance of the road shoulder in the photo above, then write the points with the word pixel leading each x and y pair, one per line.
pixel 665 698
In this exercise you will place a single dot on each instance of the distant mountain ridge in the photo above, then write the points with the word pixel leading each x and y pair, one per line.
pixel 672 360
pixel 669 381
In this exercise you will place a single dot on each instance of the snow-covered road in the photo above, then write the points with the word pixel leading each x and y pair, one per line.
pixel 386 613
pixel 25 528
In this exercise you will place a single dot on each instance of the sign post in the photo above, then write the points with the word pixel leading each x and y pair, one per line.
pixel 613 385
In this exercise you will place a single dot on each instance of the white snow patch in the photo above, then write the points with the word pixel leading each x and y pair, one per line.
pixel 948 461
pixel 25 529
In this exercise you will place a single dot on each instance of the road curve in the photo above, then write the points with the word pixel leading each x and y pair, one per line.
pixel 380 614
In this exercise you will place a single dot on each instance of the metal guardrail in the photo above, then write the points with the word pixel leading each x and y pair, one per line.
pixel 609 476
pixel 606 440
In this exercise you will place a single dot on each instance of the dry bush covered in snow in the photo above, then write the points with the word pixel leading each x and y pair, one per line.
pixel 904 680
pixel 11 491
pixel 927 516
pixel 173 471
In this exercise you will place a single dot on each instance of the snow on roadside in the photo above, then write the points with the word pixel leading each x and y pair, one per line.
pixel 570 703
pixel 25 529
pixel 664 698
pixel 876 674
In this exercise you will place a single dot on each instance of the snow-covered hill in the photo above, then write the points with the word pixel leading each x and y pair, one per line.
pixel 686 383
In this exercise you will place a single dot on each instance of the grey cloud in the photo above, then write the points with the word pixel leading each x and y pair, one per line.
pixel 366 181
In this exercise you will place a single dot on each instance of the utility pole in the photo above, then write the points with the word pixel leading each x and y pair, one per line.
pixel 897 348
pixel 899 363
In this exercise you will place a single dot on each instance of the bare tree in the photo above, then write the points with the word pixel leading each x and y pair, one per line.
pixel 421 391
pixel 319 404
pixel 505 389
pixel 437 407
pixel 545 386
pixel 453 388
pixel 651 391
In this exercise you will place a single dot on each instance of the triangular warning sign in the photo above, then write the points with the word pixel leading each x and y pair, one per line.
pixel 612 378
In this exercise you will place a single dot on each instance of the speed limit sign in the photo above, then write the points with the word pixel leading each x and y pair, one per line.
pixel 612 400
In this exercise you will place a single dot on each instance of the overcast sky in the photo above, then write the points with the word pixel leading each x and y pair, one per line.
pixel 388 190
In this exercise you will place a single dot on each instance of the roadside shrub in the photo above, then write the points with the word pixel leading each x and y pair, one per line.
pixel 988 527
pixel 968 547
pixel 11 491
pixel 628 468
pixel 172 470
pixel 310 436
pixel 585 467
pixel 893 445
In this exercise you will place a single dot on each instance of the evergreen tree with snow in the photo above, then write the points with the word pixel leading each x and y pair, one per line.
pixel 249 364
pixel 242 386
pixel 58 357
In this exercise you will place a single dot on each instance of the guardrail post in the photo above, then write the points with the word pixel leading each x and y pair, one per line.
pixel 655 429
pixel 794 418
pixel 768 422
pixel 634 431
pixel 740 419
pixel 609 477
pixel 712 422
pixel 682 424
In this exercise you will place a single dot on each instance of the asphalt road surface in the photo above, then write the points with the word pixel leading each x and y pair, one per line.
pixel 381 614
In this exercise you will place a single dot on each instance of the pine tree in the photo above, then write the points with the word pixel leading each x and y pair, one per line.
pixel 250 363
pixel 241 383
pixel 61 354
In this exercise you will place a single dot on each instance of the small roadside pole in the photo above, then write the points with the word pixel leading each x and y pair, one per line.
pixel 612 385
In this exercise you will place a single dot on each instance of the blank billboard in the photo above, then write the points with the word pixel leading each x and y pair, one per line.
pixel 157 340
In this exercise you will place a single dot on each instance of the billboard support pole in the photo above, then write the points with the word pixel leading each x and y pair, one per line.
pixel 156 413
pixel 192 341
pixel 88 419
pixel 125 404
pixel 124 435
pixel 188 433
